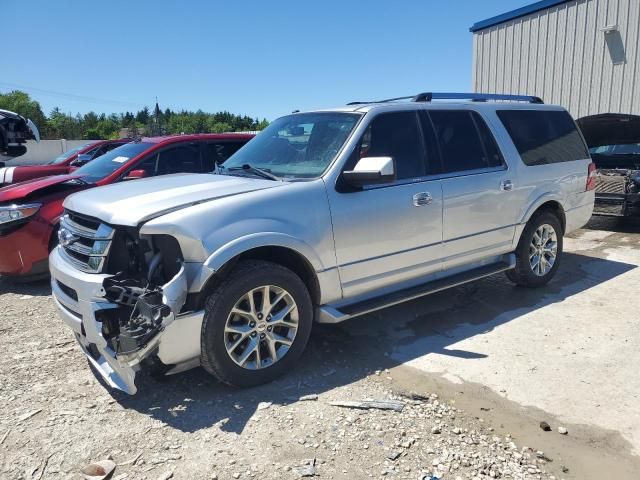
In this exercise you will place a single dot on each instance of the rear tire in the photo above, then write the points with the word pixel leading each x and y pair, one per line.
pixel 539 251
pixel 247 342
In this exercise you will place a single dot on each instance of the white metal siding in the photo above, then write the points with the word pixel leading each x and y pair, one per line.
pixel 561 55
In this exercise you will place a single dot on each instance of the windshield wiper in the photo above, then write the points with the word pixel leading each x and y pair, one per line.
pixel 255 170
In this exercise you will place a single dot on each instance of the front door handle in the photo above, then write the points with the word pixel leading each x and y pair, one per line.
pixel 506 185
pixel 422 198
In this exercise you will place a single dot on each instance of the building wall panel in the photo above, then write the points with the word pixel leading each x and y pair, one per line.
pixel 562 55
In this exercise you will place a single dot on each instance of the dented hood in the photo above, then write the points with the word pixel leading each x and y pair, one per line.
pixel 610 129
pixel 136 201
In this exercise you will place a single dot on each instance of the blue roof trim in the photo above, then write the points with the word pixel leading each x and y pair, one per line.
pixel 513 14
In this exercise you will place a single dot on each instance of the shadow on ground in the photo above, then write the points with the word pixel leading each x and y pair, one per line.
pixel 17 286
pixel 338 355
pixel 614 224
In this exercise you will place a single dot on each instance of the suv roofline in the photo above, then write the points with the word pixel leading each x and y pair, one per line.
pixel 365 108
pixel 197 136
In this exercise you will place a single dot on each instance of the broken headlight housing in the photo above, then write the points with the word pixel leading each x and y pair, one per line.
pixel 138 291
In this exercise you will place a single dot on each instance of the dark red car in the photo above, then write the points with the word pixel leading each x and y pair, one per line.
pixel 64 163
pixel 29 211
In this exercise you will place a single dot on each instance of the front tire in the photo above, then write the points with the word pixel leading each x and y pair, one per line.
pixel 256 324
pixel 539 251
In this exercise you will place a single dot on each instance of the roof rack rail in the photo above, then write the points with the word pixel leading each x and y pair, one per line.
pixel 474 97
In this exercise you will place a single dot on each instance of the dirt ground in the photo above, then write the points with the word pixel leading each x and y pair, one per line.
pixel 56 416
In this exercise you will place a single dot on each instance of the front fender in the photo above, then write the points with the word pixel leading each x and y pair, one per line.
pixel 265 239
pixel 201 273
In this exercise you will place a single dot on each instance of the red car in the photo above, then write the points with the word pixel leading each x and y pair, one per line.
pixel 29 211
pixel 64 163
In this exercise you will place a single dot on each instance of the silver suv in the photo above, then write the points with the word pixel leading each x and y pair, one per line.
pixel 324 216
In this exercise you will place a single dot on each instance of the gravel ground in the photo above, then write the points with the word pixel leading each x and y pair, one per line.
pixel 56 417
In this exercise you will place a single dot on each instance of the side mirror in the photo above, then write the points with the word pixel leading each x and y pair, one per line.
pixel 81 160
pixel 371 171
pixel 135 174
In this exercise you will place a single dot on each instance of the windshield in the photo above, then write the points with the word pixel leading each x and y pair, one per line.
pixel 108 163
pixel 67 154
pixel 296 146
pixel 625 149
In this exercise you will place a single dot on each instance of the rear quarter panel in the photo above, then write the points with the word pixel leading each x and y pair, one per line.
pixel 563 182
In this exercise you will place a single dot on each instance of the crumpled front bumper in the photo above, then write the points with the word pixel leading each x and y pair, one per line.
pixel 78 296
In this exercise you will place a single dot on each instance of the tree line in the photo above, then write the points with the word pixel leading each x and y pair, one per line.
pixel 145 122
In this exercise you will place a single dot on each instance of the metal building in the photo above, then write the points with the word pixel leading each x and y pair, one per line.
pixel 582 54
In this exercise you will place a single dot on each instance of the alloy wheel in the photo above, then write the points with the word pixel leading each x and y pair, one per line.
pixel 261 327
pixel 543 250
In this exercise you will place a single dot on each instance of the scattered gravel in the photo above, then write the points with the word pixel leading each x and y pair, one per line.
pixel 56 418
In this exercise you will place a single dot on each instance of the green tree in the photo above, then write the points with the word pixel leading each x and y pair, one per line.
pixel 94 125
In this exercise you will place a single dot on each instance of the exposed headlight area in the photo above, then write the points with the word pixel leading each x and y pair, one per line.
pixel 14 215
pixel 148 298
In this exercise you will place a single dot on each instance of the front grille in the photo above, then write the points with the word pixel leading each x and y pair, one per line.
pixel 85 242
pixel 610 183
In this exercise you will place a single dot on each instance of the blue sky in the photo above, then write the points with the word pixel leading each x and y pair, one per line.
pixel 260 58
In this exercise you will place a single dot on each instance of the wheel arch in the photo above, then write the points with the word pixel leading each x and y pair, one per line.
pixel 556 208
pixel 285 256
pixel 547 203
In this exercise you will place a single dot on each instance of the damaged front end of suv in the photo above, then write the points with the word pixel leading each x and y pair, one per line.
pixel 136 299
pixel 614 144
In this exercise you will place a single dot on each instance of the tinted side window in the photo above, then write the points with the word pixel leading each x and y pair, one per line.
pixel 185 158
pixel 218 153
pixel 396 135
pixel 148 165
pixel 465 141
pixel 434 165
pixel 494 157
pixel 543 137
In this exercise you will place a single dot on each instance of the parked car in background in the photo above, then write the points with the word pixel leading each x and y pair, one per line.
pixel 15 130
pixel 64 163
pixel 614 144
pixel 30 211
pixel 326 215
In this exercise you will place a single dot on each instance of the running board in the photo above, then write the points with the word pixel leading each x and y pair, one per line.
pixel 329 314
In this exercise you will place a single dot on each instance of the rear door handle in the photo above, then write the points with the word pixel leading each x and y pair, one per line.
pixel 422 198
pixel 506 185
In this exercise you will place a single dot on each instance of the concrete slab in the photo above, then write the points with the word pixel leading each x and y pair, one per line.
pixel 571 349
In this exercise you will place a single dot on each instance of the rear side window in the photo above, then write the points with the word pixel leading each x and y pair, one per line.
pixel 396 135
pixel 465 141
pixel 544 137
